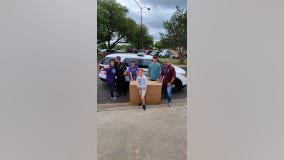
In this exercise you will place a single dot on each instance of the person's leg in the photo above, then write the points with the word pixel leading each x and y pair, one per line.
pixel 140 93
pixel 164 89
pixel 118 85
pixel 110 84
pixel 143 98
pixel 123 85
pixel 169 92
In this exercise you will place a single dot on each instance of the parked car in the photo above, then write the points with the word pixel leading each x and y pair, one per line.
pixel 165 53
pixel 148 52
pixel 154 53
pixel 142 61
pixel 175 56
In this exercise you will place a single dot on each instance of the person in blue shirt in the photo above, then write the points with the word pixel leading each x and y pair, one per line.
pixel 133 69
pixel 154 69
pixel 110 73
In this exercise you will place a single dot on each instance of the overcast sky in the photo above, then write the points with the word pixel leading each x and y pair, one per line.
pixel 160 10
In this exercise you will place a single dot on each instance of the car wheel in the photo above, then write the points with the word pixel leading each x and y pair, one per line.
pixel 177 85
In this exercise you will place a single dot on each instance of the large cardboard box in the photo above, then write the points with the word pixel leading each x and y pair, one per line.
pixel 153 93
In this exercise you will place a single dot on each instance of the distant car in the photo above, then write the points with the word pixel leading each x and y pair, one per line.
pixel 175 56
pixel 165 53
pixel 142 61
pixel 148 52
pixel 154 53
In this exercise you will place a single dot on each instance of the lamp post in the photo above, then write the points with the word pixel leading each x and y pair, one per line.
pixel 141 8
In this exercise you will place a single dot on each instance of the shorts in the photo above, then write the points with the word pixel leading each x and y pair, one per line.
pixel 142 92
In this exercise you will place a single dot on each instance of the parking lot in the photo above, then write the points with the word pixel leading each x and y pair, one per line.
pixel 104 95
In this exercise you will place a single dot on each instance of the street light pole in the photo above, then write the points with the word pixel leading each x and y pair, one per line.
pixel 141 8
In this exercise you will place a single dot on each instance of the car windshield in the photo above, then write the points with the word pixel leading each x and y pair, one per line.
pixel 141 63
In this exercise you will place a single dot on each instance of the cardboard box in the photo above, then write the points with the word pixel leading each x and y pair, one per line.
pixel 153 93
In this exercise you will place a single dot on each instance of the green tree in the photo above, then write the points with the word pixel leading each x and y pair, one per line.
pixel 176 33
pixel 147 39
pixel 159 45
pixel 114 27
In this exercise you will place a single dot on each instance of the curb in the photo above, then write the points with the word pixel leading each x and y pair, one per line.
pixel 124 106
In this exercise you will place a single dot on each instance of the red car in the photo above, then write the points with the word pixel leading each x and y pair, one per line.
pixel 175 55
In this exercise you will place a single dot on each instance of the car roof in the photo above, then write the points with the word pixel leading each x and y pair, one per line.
pixel 129 55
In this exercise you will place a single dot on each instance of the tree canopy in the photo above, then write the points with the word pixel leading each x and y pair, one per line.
pixel 115 27
pixel 176 32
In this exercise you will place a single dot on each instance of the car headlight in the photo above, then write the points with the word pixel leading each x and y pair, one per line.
pixel 183 74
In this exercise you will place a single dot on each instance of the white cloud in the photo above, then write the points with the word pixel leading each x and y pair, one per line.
pixel 160 10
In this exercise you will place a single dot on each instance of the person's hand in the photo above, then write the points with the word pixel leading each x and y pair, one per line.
pixel 169 84
pixel 159 81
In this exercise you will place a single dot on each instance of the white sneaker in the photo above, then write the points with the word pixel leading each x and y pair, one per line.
pixel 169 104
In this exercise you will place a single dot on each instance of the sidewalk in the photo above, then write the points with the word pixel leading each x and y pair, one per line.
pixel 125 106
pixel 159 133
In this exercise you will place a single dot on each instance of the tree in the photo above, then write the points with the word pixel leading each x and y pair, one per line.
pixel 158 44
pixel 114 27
pixel 147 39
pixel 111 20
pixel 176 33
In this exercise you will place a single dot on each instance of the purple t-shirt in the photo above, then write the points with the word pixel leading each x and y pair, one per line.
pixel 110 73
pixel 133 71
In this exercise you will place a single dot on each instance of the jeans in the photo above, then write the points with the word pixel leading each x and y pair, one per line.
pixel 167 90
pixel 111 86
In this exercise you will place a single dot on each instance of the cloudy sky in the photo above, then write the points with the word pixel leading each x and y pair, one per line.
pixel 160 10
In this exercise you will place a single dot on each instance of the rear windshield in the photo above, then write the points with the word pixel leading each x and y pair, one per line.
pixel 106 60
pixel 142 63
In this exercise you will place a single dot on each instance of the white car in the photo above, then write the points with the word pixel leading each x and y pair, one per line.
pixel 142 61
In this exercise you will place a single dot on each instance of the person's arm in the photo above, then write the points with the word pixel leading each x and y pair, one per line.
pixel 146 82
pixel 137 83
pixel 149 68
pixel 159 70
pixel 130 75
pixel 161 76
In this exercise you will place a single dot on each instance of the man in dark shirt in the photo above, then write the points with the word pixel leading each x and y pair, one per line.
pixel 168 76
pixel 120 69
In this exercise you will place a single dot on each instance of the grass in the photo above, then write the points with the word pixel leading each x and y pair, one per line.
pixel 174 61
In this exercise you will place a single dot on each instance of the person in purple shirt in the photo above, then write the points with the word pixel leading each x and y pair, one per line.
pixel 110 73
pixel 133 69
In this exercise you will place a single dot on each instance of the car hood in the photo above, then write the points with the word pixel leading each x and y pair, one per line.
pixel 179 69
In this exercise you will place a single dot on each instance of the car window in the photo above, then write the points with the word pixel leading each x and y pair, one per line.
pixel 106 60
pixel 141 63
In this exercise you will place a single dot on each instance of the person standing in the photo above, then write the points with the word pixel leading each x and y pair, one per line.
pixel 121 71
pixel 133 69
pixel 168 76
pixel 110 78
pixel 154 69
pixel 142 86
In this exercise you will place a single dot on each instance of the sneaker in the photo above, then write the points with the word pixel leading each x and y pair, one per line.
pixel 140 104
pixel 144 107
pixel 169 104
pixel 113 99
